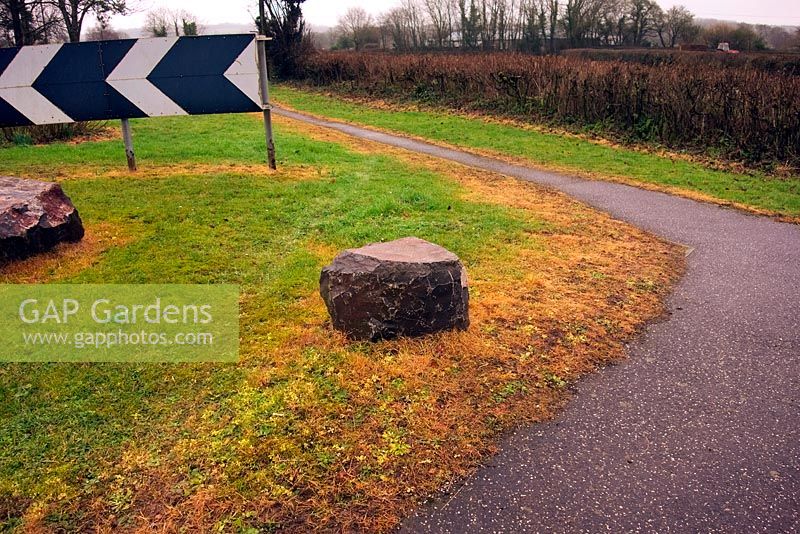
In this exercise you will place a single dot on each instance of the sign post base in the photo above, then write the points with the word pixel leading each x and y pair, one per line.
pixel 127 138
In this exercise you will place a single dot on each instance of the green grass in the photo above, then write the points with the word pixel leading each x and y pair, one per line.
pixel 781 196
pixel 160 141
pixel 63 428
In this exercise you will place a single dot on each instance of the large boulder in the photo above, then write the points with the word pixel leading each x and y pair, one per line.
pixel 407 287
pixel 34 217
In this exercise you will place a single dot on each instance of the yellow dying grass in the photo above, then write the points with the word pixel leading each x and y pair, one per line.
pixel 154 171
pixel 66 259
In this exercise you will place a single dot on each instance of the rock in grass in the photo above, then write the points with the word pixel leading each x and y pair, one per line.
pixel 408 287
pixel 34 217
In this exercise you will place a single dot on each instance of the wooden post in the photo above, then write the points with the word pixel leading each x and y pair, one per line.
pixel 263 79
pixel 127 138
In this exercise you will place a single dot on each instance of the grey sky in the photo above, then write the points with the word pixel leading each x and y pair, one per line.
pixel 327 12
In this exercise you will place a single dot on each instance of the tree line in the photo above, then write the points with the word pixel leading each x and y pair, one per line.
pixel 27 22
pixel 539 26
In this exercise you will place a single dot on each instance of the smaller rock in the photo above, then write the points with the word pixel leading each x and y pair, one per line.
pixel 407 287
pixel 34 217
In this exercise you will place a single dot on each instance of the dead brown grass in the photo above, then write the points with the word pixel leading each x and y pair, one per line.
pixel 150 171
pixel 107 133
pixel 66 259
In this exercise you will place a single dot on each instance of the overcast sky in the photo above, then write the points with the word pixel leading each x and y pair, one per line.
pixel 327 12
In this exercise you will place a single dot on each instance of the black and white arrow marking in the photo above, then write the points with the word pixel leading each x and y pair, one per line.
pixel 129 78
pixel 20 101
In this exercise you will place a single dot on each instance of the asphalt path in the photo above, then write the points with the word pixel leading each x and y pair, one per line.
pixel 698 430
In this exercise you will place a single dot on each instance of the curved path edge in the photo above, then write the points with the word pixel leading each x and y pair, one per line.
pixel 699 430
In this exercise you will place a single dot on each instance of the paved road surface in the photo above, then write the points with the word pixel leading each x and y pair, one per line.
pixel 699 431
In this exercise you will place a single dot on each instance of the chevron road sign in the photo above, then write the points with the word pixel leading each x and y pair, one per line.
pixel 132 78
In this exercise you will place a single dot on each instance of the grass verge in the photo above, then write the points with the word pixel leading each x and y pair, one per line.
pixel 573 154
pixel 308 430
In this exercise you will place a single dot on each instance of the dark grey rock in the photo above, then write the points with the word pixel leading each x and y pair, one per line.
pixel 408 287
pixel 34 217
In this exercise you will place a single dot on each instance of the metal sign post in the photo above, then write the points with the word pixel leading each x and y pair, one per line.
pixel 263 78
pixel 127 138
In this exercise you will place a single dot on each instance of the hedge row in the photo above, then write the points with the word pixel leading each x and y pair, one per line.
pixel 745 113
pixel 772 62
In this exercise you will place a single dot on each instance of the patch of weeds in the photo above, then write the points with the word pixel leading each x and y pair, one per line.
pixel 11 511
pixel 64 521
pixel 394 446
pixel 120 499
pixel 245 523
pixel 553 380
pixel 509 390
pixel 644 285
pixel 609 325
pixel 22 139
pixel 490 329
pixel 575 335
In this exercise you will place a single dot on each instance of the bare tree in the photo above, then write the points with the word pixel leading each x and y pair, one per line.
pixel 514 22
pixel 394 30
pixel 74 12
pixel 158 22
pixel 775 37
pixel 530 25
pixel 675 26
pixel 643 15
pixel 576 21
pixel 164 21
pixel 531 34
pixel 406 26
pixel 613 24
pixel 505 22
pixel 102 31
pixel 441 14
pixel 416 22
pixel 190 24
pixel 356 23
pixel 26 22
pixel 471 23
pixel 489 10
pixel 548 22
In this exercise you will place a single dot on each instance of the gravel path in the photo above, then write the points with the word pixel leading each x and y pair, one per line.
pixel 699 430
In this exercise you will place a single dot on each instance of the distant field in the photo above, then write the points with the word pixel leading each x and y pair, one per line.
pixel 778 196
pixel 742 114
pixel 308 431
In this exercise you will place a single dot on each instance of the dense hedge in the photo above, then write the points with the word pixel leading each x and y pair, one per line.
pixel 779 63
pixel 745 113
